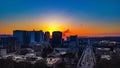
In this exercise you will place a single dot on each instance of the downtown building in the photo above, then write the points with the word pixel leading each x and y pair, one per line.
pixel 39 36
pixel 23 37
pixel 10 44
pixel 56 40
pixel 36 36
pixel 47 36
pixel 73 41
pixel 28 37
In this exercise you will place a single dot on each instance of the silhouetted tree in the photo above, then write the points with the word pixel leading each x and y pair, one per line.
pixel 104 63
pixel 23 64
pixel 40 64
pixel 7 63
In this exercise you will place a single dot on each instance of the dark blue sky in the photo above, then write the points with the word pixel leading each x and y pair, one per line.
pixel 83 17
pixel 106 10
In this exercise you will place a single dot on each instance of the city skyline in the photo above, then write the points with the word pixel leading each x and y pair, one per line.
pixel 84 18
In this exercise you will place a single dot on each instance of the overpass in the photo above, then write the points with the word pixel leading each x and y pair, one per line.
pixel 87 59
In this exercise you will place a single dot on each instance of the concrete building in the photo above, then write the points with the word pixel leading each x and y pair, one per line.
pixel 39 36
pixel 41 33
pixel 10 44
pixel 32 36
pixel 73 41
pixel 22 36
pixel 47 36
pixel 3 52
pixel 28 37
pixel 56 39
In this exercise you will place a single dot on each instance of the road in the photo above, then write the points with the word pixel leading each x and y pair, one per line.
pixel 87 59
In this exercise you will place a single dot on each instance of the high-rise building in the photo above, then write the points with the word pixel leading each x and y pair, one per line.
pixel 56 39
pixel 47 36
pixel 22 36
pixel 28 37
pixel 39 36
pixel 73 41
pixel 32 36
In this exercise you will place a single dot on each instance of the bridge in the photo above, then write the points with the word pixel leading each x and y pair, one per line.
pixel 87 59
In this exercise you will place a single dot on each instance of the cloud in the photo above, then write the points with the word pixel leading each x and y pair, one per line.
pixel 66 31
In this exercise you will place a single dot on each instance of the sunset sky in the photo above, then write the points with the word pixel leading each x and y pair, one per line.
pixel 81 17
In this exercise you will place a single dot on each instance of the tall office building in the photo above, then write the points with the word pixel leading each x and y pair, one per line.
pixel 32 36
pixel 73 41
pixel 39 36
pixel 23 37
pixel 56 39
pixel 28 37
pixel 47 36
pixel 41 33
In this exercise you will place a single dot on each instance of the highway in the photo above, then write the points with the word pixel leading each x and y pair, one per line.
pixel 87 59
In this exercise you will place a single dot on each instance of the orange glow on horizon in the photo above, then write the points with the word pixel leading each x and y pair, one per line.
pixel 80 31
pixel 57 23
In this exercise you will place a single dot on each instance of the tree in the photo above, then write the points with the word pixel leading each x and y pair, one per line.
pixel 7 63
pixel 40 64
pixel 23 64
